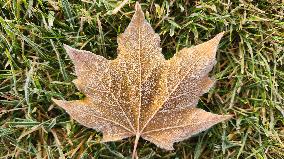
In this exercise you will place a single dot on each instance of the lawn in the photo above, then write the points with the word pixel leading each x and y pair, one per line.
pixel 34 68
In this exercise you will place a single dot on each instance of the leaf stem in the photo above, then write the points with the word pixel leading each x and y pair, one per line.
pixel 134 153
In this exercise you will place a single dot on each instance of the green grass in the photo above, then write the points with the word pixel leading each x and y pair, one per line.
pixel 34 68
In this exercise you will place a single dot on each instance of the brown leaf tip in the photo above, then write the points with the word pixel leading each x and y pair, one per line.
pixel 78 56
pixel 218 37
pixel 58 102
pixel 139 15
pixel 227 117
pixel 70 51
pixel 138 7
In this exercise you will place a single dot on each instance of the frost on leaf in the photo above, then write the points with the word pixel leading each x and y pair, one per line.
pixel 140 93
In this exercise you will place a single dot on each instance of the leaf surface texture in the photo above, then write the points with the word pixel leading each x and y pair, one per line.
pixel 140 93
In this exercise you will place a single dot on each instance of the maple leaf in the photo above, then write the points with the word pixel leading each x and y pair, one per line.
pixel 140 93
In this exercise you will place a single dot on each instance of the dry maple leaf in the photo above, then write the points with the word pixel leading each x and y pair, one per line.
pixel 140 93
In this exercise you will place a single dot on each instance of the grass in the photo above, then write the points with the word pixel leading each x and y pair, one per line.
pixel 34 68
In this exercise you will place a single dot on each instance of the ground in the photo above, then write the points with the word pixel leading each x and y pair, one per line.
pixel 35 68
